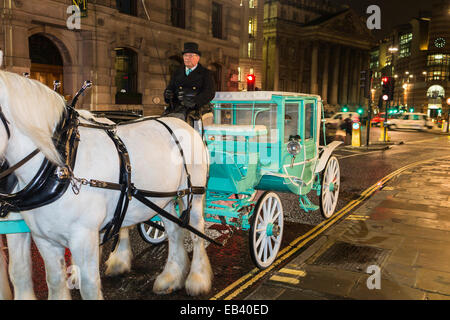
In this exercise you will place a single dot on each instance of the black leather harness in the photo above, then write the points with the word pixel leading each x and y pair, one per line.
pixel 51 182
pixel 47 185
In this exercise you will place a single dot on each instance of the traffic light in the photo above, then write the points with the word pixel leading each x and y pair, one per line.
pixel 250 82
pixel 388 86
pixel 366 82
pixel 360 110
pixel 344 109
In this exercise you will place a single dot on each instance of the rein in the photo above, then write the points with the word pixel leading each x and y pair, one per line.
pixel 10 170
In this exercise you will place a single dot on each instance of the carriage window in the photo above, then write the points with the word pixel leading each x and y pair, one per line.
pixel 309 120
pixel 244 114
pixel 290 121
pixel 268 118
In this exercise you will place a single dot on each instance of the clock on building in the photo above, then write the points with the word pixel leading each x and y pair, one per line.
pixel 439 43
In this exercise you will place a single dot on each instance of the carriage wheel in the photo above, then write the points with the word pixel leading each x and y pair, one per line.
pixel 331 179
pixel 267 230
pixel 151 234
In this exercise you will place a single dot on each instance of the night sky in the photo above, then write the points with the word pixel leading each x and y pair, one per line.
pixel 393 13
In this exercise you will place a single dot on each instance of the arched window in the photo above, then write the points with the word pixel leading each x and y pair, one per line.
pixel 216 70
pixel 127 6
pixel 126 77
pixel 46 61
pixel 178 13
pixel 174 63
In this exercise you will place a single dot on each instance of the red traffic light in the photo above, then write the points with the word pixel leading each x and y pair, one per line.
pixel 250 82
pixel 385 80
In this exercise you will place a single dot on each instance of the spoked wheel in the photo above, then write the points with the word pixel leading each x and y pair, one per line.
pixel 331 180
pixel 151 234
pixel 267 230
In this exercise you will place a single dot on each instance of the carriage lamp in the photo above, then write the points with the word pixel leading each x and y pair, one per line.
pixel 293 147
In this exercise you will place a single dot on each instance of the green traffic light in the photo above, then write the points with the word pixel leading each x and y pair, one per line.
pixel 344 109
pixel 360 111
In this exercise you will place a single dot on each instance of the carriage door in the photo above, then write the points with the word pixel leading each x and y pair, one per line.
pixel 299 121
pixel 310 130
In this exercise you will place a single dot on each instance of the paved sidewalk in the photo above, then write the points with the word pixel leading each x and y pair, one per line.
pixel 404 229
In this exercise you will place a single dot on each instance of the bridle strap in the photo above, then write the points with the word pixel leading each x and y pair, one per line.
pixel 5 123
pixel 18 164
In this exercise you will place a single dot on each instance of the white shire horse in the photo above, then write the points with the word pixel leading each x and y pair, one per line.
pixel 19 246
pixel 74 221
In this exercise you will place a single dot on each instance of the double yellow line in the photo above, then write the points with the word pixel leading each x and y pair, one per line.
pixel 256 274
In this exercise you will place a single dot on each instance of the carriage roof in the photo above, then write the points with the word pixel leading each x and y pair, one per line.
pixel 257 95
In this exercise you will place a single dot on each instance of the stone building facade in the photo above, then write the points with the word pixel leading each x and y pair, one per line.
pixel 417 55
pixel 318 48
pixel 252 41
pixel 126 49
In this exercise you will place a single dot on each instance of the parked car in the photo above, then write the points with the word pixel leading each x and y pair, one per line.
pixel 378 118
pixel 418 121
pixel 334 121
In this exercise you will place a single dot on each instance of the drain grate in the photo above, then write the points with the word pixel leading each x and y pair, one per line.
pixel 348 256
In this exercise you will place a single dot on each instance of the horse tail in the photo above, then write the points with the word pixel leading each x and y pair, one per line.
pixel 5 290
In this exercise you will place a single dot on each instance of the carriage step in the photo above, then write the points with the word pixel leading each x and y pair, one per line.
pixel 306 204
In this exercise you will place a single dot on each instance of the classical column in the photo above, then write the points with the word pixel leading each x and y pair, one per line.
pixel 335 83
pixel 354 83
pixel 301 67
pixel 345 76
pixel 326 64
pixel 276 65
pixel 314 66
pixel 364 63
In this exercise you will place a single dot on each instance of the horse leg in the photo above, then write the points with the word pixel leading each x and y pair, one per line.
pixel 200 277
pixel 86 256
pixel 5 289
pixel 20 265
pixel 119 260
pixel 55 268
pixel 177 265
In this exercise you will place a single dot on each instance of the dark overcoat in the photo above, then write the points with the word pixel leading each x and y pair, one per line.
pixel 199 85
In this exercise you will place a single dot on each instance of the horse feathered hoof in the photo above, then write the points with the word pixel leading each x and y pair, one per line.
pixel 168 282
pixel 198 284
pixel 117 266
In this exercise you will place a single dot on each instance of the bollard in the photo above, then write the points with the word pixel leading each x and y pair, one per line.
pixel 444 126
pixel 382 137
pixel 356 134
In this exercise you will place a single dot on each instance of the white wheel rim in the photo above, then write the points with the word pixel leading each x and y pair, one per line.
pixel 152 234
pixel 330 187
pixel 268 218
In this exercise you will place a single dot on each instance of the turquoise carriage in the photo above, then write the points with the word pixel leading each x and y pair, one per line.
pixel 267 141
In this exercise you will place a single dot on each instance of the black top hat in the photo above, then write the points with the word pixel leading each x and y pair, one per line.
pixel 191 47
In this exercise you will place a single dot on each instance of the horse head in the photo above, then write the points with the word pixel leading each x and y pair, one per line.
pixel 30 112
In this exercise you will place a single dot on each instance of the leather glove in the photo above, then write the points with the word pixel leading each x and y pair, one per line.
pixel 168 95
pixel 189 102
pixel 180 96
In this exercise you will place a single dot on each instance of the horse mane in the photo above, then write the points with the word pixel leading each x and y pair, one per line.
pixel 35 110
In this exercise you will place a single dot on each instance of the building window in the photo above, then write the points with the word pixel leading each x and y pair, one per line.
pixel 178 13
pixel 251 49
pixel 374 59
pixel 252 3
pixel 251 27
pixel 127 7
pixel 126 77
pixel 217 20
pixel 438 67
pixel 405 45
